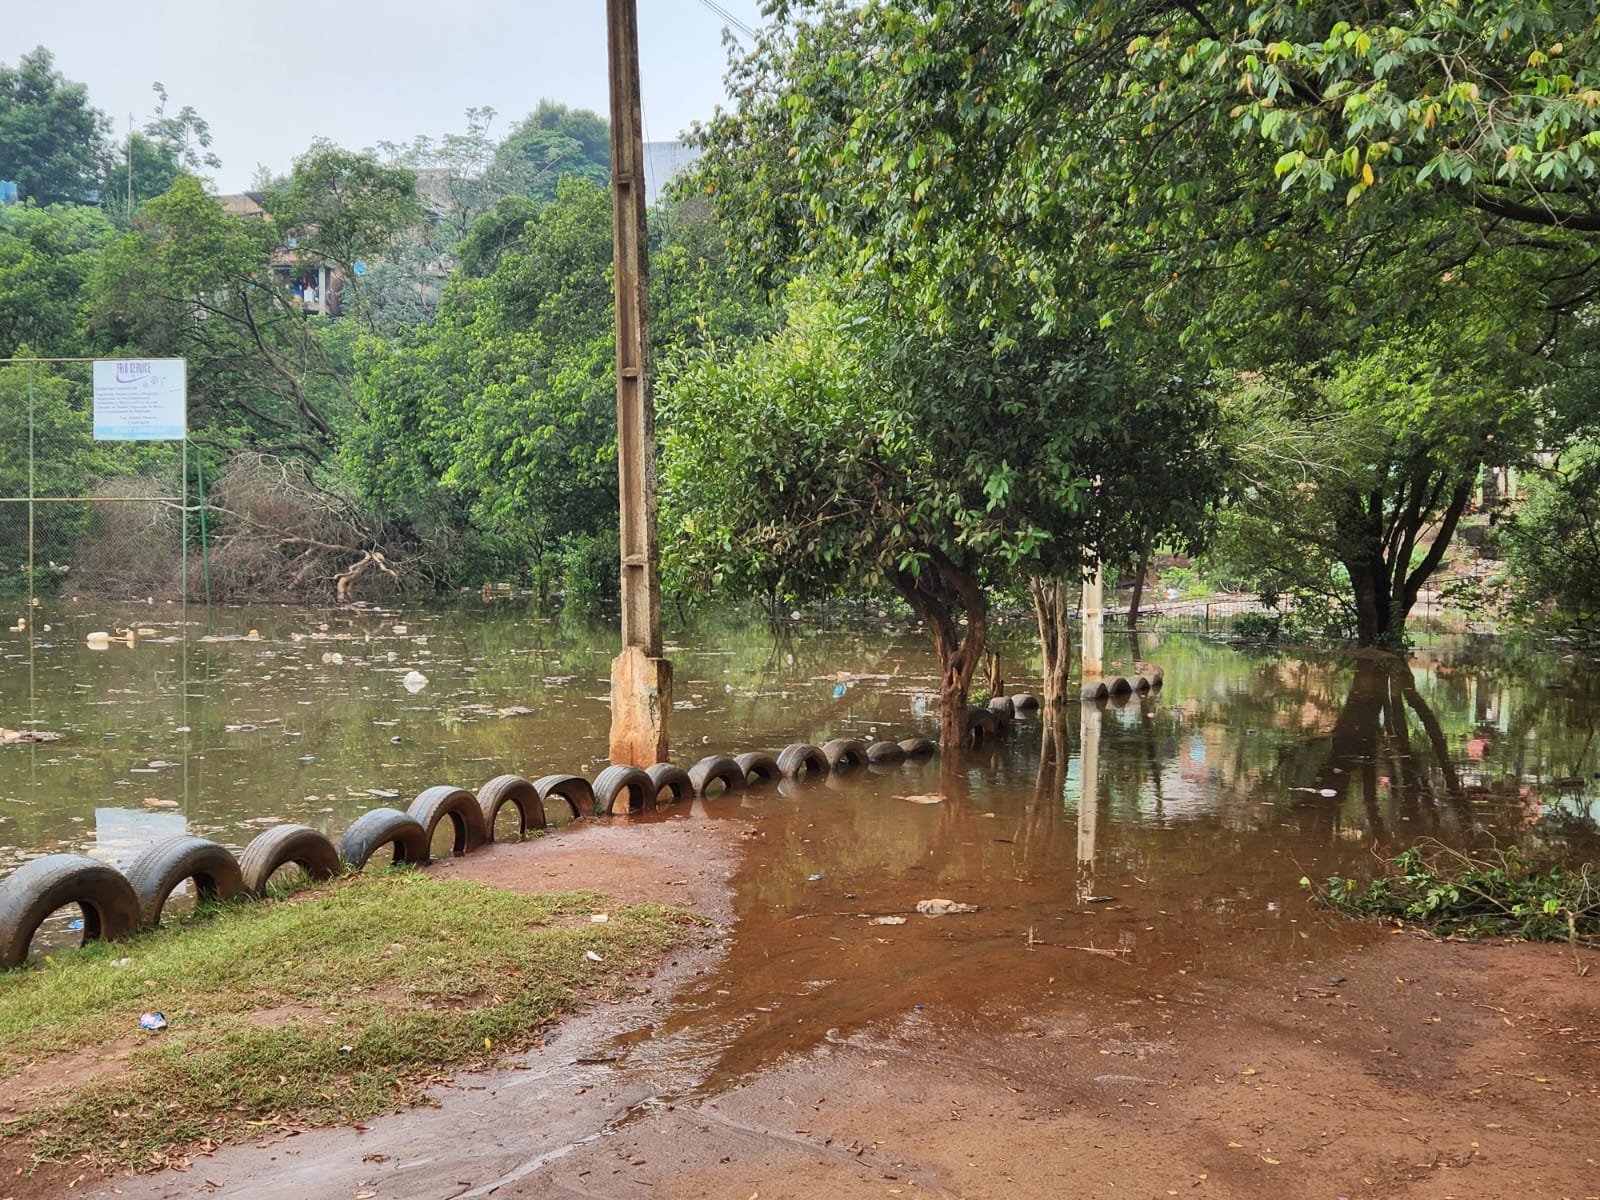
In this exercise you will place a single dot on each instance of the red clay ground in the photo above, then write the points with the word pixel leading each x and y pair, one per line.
pixel 1406 1068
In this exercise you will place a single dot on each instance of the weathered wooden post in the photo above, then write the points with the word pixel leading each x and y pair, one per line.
pixel 641 679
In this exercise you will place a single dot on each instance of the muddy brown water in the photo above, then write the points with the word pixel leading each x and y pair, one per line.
pixel 1248 771
pixel 1132 872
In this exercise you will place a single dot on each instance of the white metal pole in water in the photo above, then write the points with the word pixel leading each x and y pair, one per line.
pixel 1094 636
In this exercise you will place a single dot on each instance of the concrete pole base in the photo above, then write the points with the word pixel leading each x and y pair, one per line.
pixel 641 699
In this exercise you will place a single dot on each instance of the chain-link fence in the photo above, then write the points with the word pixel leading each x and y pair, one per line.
pixel 81 517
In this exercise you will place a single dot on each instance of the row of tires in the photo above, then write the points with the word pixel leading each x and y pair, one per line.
pixel 990 721
pixel 115 904
pixel 1150 679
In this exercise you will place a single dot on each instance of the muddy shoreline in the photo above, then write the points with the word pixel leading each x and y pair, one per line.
pixel 1399 1067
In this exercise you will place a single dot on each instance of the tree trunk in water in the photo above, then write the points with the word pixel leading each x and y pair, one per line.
pixel 1052 607
pixel 1138 587
pixel 1369 584
pixel 929 596
pixel 996 684
pixel 1383 582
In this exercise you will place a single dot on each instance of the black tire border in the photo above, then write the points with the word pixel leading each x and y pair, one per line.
pixel 283 844
pixel 162 865
pixel 434 804
pixel 514 790
pixel 37 888
pixel 372 831
pixel 616 780
pixel 582 804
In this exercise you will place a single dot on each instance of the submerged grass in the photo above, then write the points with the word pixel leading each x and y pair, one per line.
pixel 327 1008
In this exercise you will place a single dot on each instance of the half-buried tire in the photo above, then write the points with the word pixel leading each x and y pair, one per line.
pixel 919 748
pixel 669 777
pixel 759 768
pixel 163 865
pixel 36 889
pixel 573 790
pixel 281 845
pixel 622 789
pixel 844 753
pixel 802 760
pixel 517 792
pixel 382 827
pixel 885 754
pixel 460 807
pixel 982 725
pixel 714 767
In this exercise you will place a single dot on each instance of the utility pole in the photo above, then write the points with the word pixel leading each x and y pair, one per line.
pixel 641 679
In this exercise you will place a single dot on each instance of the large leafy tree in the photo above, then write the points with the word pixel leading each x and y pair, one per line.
pixel 344 208
pixel 859 446
pixel 52 140
pixel 191 281
pixel 1019 144
pixel 47 257
pixel 493 428
pixel 1275 187
pixel 550 144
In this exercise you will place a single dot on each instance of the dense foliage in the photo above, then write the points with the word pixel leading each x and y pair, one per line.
pixel 1461 894
pixel 1053 281
pixel 1351 211
pixel 935 461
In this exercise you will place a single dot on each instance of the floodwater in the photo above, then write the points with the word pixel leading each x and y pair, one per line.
pixel 1208 801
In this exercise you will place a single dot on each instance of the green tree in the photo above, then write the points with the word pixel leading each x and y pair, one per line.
pixel 150 160
pixel 52 141
pixel 551 143
pixel 932 461
pixel 191 281
pixel 1170 171
pixel 1552 547
pixel 344 209
pixel 47 258
pixel 493 428
pixel 503 406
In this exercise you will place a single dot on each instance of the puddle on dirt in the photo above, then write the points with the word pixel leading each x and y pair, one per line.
pixel 1137 862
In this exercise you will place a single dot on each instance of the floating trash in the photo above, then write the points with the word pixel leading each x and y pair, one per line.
pixel 940 907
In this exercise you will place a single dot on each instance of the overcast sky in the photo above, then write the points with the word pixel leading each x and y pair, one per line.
pixel 270 77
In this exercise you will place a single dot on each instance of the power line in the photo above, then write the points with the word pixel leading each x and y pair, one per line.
pixel 732 20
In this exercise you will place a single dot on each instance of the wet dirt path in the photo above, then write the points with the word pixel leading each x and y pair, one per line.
pixel 1130 1017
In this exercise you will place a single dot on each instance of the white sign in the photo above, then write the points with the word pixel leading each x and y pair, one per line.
pixel 141 400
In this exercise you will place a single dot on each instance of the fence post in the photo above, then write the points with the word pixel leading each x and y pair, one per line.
pixel 30 499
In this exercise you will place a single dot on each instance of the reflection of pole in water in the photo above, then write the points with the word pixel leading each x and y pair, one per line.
pixel 1088 794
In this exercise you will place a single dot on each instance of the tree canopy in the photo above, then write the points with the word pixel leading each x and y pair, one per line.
pixel 932 461
pixel 1294 193
pixel 52 141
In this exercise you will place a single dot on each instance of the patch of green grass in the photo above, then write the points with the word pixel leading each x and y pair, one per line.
pixel 329 1007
